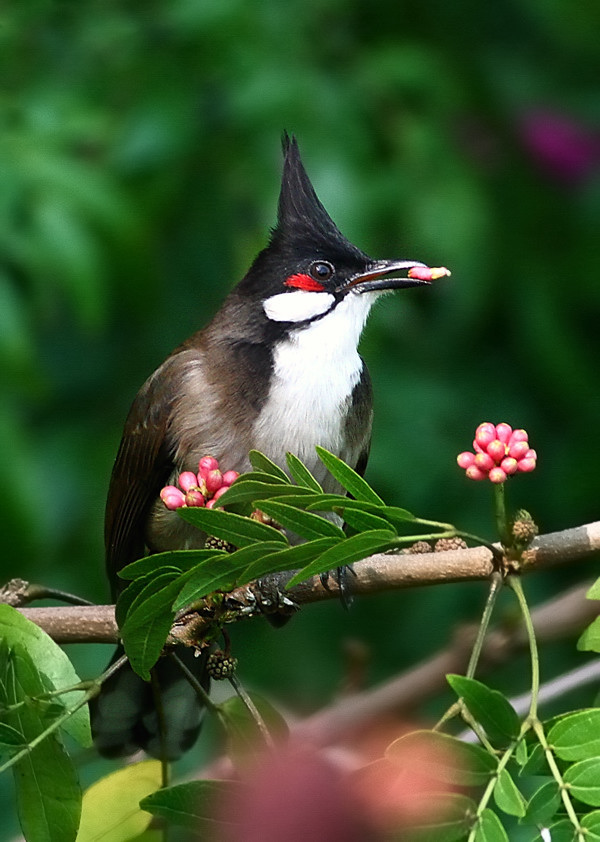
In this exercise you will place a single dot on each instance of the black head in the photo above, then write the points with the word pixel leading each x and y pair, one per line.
pixel 307 252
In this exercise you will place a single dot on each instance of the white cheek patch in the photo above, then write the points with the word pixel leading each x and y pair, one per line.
pixel 297 306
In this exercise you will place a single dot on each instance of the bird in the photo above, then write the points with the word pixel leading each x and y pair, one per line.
pixel 276 370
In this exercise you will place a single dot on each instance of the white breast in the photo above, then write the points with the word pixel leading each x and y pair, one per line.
pixel 315 371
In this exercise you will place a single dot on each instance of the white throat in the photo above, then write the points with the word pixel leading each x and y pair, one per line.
pixel 315 371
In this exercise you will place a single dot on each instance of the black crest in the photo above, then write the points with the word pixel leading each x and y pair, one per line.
pixel 301 218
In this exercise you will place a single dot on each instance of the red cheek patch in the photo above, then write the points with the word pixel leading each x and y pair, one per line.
pixel 304 282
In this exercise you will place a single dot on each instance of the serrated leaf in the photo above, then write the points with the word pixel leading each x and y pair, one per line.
pixel 301 474
pixel 260 462
pixel 577 735
pixel 453 819
pixel 147 627
pixel 238 530
pixel 151 585
pixel 347 477
pixel 443 757
pixel 127 597
pixel 489 707
pixel 52 663
pixel 222 573
pixel 264 477
pixel 304 524
pixel 363 521
pixel 111 806
pixel 583 779
pixel 346 552
pixel 288 559
pixel 48 794
pixel 178 560
pixel 489 828
pixel 196 805
pixel 543 804
pixel 249 490
pixel 244 736
pixel 507 796
pixel 589 641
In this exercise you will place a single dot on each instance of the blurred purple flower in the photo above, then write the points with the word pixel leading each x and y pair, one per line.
pixel 566 149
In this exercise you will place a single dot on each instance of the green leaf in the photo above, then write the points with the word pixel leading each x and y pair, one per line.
pixel 249 490
pixel 561 831
pixel 583 779
pixel 577 735
pixel 244 736
pixel 507 796
pixel 288 559
pixel 301 474
pixel 589 641
pixel 346 552
pixel 48 794
pixel 222 573
pixel 260 462
pixel 489 828
pixel 536 762
pixel 266 478
pixel 197 805
pixel 237 529
pixel 594 591
pixel 363 521
pixel 11 740
pixel 453 819
pixel 157 563
pixel 53 663
pixel 341 504
pixel 543 804
pixel 347 477
pixel 591 822
pixel 489 707
pixel 304 524
pixel 127 597
pixel 151 585
pixel 444 758
pixel 521 753
pixel 111 806
pixel 147 627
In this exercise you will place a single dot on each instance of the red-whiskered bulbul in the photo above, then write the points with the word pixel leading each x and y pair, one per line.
pixel 276 370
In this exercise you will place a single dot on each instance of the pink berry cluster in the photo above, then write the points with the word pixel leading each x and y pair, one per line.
pixel 499 452
pixel 201 489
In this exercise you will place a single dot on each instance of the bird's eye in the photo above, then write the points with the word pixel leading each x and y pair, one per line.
pixel 321 270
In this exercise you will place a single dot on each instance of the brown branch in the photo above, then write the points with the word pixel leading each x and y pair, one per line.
pixel 380 572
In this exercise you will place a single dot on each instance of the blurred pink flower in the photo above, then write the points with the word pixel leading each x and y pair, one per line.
pixel 564 148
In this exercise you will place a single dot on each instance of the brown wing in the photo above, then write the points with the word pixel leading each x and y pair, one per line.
pixel 142 467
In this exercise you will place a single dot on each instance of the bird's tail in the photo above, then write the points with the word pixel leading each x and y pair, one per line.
pixel 162 717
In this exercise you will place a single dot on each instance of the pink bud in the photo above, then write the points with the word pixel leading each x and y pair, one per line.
pixel 466 459
pixel 518 449
pixel 497 475
pixel 527 464
pixel 187 480
pixel 194 497
pixel 497 450
pixel 509 465
pixel 484 434
pixel 206 464
pixel 477 447
pixel 484 462
pixel 503 432
pixel 213 480
pixel 518 435
pixel 172 497
pixel 212 503
pixel 220 492
pixel 230 477
pixel 427 273
pixel 531 454
pixel 475 473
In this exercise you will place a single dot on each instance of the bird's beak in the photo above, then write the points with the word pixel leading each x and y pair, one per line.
pixel 376 277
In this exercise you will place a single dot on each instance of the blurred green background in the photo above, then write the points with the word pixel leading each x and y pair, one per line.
pixel 139 172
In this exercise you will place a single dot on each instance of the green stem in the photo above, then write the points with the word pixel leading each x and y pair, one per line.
pixel 252 709
pixel 93 690
pixel 495 585
pixel 514 582
pixel 502 524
